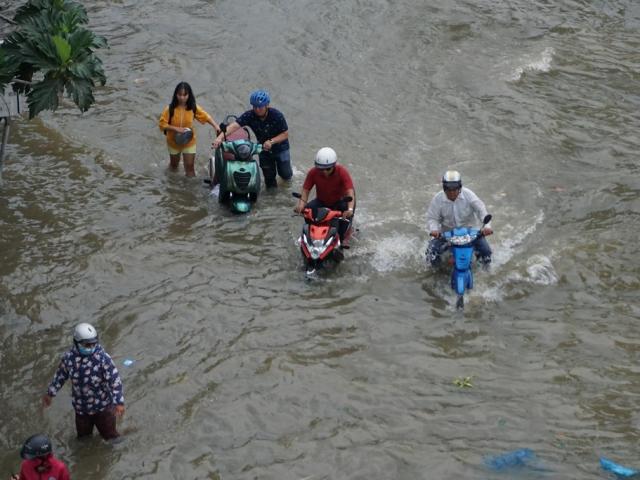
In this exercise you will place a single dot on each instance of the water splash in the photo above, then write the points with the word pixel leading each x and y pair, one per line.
pixel 394 252
pixel 507 248
pixel 538 63
pixel 541 271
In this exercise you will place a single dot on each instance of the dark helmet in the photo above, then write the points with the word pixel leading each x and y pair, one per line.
pixel 451 180
pixel 260 98
pixel 35 447
pixel 244 151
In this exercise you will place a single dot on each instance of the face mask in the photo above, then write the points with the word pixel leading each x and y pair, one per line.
pixel 86 351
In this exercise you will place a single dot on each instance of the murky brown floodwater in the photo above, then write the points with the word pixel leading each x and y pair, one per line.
pixel 244 370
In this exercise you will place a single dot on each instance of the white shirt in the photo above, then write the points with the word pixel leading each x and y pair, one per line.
pixel 466 211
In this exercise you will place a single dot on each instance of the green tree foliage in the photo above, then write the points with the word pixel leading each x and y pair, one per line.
pixel 51 48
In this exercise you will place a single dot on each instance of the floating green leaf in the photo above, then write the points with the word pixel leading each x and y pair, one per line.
pixel 463 382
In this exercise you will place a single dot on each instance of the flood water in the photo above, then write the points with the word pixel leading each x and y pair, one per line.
pixel 242 368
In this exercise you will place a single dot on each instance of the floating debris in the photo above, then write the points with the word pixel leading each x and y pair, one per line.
pixel 463 382
pixel 619 470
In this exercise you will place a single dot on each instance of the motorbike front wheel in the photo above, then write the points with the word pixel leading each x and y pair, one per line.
pixel 311 266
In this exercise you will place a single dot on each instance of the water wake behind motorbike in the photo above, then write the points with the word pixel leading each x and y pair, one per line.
pixel 320 239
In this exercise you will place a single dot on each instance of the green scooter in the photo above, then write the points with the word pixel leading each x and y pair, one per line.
pixel 235 170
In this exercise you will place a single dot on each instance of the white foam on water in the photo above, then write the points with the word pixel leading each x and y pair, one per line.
pixel 506 250
pixel 297 172
pixel 395 252
pixel 541 271
pixel 492 294
pixel 533 63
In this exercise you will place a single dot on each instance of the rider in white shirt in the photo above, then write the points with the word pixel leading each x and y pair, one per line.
pixel 456 206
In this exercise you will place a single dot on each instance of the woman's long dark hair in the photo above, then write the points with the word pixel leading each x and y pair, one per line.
pixel 191 100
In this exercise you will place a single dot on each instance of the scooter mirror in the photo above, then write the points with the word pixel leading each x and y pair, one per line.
pixel 487 219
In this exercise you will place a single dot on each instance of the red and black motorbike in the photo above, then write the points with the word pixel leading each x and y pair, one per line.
pixel 320 238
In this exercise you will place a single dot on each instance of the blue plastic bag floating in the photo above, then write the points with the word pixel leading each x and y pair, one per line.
pixel 522 457
pixel 619 470
pixel 128 362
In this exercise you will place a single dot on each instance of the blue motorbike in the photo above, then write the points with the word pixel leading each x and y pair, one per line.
pixel 460 242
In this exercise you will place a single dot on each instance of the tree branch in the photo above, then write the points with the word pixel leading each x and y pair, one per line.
pixel 8 20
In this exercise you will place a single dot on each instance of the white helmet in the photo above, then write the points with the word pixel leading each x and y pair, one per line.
pixel 85 332
pixel 326 158
pixel 452 180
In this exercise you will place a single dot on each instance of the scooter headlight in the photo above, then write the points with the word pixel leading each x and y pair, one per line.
pixel 461 239
pixel 317 248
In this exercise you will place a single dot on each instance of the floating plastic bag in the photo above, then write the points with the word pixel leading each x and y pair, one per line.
pixel 619 470
pixel 517 458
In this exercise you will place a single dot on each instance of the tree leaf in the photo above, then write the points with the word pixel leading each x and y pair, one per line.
pixel 36 7
pixel 41 52
pixel 81 41
pixel 99 42
pixel 62 47
pixel 50 39
pixel 81 91
pixel 7 70
pixel 44 95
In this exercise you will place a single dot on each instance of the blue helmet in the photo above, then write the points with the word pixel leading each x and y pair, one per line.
pixel 260 98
